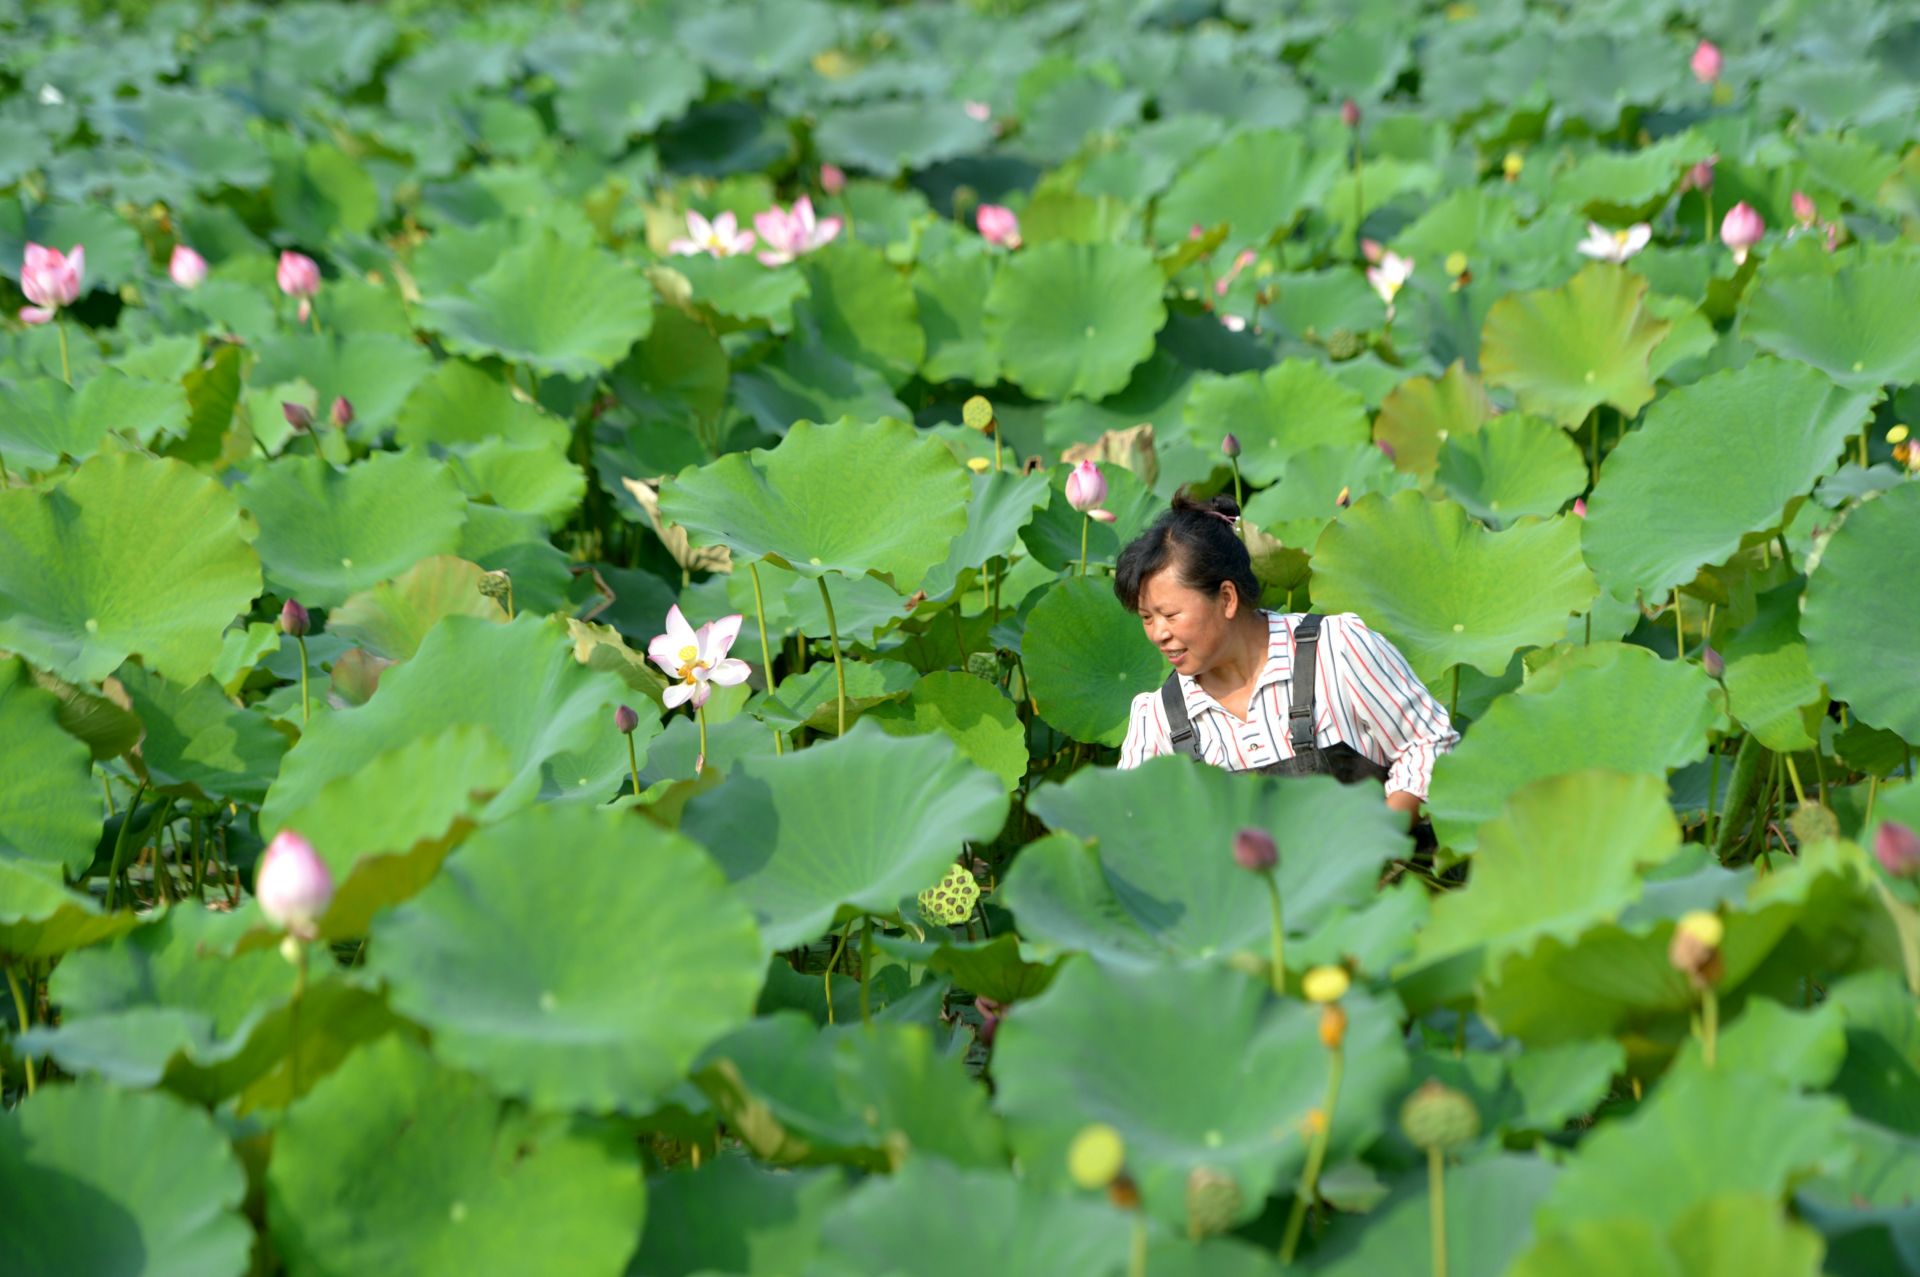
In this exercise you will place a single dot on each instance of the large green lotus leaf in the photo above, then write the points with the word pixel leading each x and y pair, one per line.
pixel 110 1181
pixel 1618 707
pixel 926 1221
pixel 612 95
pixel 519 680
pixel 1148 878
pixel 1195 1066
pixel 1215 188
pixel 1422 414
pixel 1856 325
pixel 1307 496
pixel 555 306
pixel 803 380
pixel 383 830
pixel 529 478
pixel 1489 1206
pixel 375 372
pixel 1004 503
pixel 1860 630
pixel 320 191
pixel 40 917
pixel 42 421
pixel 125 555
pixel 1628 185
pixel 49 812
pixel 950 289
pixel 1565 350
pixel 861 1094
pixel 759 43
pixel 1726 1235
pixel 849 497
pixel 1564 853
pixel 327 533
pixel 1276 415
pixel 741 288
pixel 679 372
pixel 461 404
pixel 855 823
pixel 1513 466
pixel 1765 432
pixel 1073 320
pixel 503 541
pixel 199 744
pixel 891 137
pixel 973 712
pixel 555 1014
pixel 735 1217
pixel 863 308
pixel 1447 591
pixel 1703 1133
pixel 1771 689
pixel 1056 122
pixel 393 617
pixel 1086 660
pixel 394 1163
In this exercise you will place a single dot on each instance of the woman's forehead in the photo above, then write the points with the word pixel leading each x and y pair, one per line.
pixel 1165 587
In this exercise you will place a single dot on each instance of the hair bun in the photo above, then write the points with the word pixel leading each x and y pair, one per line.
pixel 1219 503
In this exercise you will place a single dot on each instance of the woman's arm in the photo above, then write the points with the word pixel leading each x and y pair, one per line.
pixel 1148 735
pixel 1394 707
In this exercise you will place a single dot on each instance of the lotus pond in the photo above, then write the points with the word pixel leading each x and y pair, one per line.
pixel 588 485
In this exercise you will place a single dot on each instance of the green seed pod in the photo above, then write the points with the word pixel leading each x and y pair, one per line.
pixel 977 412
pixel 1343 344
pixel 1437 1116
pixel 951 900
pixel 983 665
pixel 1213 1202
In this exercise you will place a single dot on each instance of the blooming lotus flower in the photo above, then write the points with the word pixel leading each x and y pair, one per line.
pixel 722 237
pixel 1086 487
pixel 978 111
pixel 51 278
pixel 186 267
pixel 1706 62
pixel 293 885
pixel 833 179
pixel 1741 229
pixel 1615 246
pixel 998 225
pixel 1389 277
pixel 793 233
pixel 50 95
pixel 697 659
pixel 297 274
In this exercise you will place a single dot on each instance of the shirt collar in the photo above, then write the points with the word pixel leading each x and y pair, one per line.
pixel 1278 669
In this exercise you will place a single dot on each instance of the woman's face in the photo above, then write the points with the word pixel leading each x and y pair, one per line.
pixel 1191 629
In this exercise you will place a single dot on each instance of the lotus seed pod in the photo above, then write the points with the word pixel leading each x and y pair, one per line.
pixel 977 412
pixel 625 720
pixel 1333 1026
pixel 1437 1116
pixel 293 885
pixel 951 900
pixel 1096 1156
pixel 1255 851
pixel 1704 927
pixel 1712 662
pixel 298 415
pixel 1897 848
pixel 493 585
pixel 1213 1202
pixel 1230 445
pixel 294 619
pixel 1344 344
pixel 1812 823
pixel 979 465
pixel 1326 984
pixel 1694 950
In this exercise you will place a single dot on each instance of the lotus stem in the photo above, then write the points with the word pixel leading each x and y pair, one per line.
pixel 839 669
pixel 1679 629
pixel 826 981
pixel 996 451
pixel 866 969
pixel 6 480
pixel 20 1011
pixel 1086 521
pixel 119 863
pixel 633 764
pixel 1237 498
pixel 1713 796
pixel 1137 1248
pixel 1316 1154
pixel 293 1020
pixel 1437 1208
pixel 766 653
pixel 1279 935
pixel 66 369
pixel 301 639
pixel 1453 702
pixel 1863 449
pixel 1793 774
pixel 1709 1024
pixel 1706 227
pixel 700 763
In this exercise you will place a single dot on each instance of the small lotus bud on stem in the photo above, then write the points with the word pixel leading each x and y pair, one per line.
pixel 1230 445
pixel 1437 1118
pixel 1897 848
pixel 341 413
pixel 299 416
pixel 1712 662
pixel 1255 851
pixel 625 720
pixel 295 621
pixel 1350 113
pixel 498 585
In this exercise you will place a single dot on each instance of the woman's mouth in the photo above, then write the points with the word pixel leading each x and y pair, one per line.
pixel 1174 656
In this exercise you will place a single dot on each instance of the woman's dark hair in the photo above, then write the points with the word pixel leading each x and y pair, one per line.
pixel 1197 539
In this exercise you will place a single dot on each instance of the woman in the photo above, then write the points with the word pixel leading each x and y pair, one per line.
pixel 1233 683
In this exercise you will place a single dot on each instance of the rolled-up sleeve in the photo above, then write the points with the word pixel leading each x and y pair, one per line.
pixel 1392 705
pixel 1148 735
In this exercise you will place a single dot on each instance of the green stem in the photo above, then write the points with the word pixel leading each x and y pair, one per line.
pixel 1713 795
pixel 119 864
pixel 293 1023
pixel 700 716
pixel 6 480
pixel 1085 521
pixel 832 958
pixel 1137 1248
pixel 1237 499
pixel 1709 1024
pixel 1453 702
pixel 1316 1154
pixel 866 969
pixel 1437 1208
pixel 1793 774
pixel 1679 629
pixel 1279 934
pixel 839 669
pixel 301 639
pixel 766 653
pixel 633 765
pixel 20 1010
pixel 66 369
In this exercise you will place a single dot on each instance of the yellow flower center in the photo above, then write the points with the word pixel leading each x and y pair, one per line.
pixel 1620 237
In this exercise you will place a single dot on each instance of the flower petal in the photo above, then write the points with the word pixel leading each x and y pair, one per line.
pixel 679 630
pixel 720 637
pixel 677 695
pixel 31 315
pixel 730 672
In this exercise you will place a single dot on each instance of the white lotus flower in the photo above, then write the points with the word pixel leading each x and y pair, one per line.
pixel 697 659
pixel 722 237
pixel 1389 277
pixel 1615 246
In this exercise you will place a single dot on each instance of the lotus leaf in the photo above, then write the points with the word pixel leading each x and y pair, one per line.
pixel 1859 632
pixel 1087 659
pixel 49 813
pixel 1566 350
pixel 1074 320
pixel 1855 324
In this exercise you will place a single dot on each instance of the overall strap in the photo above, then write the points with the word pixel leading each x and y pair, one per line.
pixel 1179 723
pixel 1306 641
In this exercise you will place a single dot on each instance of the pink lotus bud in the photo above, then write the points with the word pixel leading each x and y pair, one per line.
pixel 1371 250
pixel 1350 113
pixel 294 619
pixel 293 885
pixel 625 720
pixel 50 278
pixel 1700 176
pixel 1580 506
pixel 1803 210
pixel 978 111
pixel 998 225
pixel 1230 445
pixel 1387 448
pixel 1255 851
pixel 1196 231
pixel 297 274
pixel 1706 62
pixel 298 415
pixel 1897 848
pixel 342 412
pixel 1741 229
pixel 1712 662
pixel 833 179
pixel 187 267
pixel 1086 487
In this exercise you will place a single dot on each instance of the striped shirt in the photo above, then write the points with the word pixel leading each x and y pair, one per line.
pixel 1365 694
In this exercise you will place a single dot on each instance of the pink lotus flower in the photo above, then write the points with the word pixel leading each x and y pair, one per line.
pixel 1741 229
pixel 978 111
pixel 697 659
pixel 1615 246
pixel 187 267
pixel 1389 277
pixel 998 225
pixel 1706 62
pixel 1370 249
pixel 1897 848
pixel 1580 506
pixel 1803 210
pixel 293 885
pixel 790 234
pixel 297 274
pixel 1700 176
pixel 722 237
pixel 1240 263
pixel 833 179
pixel 1103 516
pixel 1086 487
pixel 50 278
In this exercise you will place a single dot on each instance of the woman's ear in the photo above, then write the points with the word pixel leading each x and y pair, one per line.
pixel 1229 599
